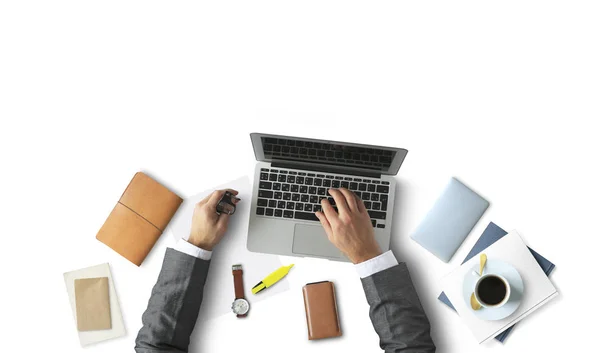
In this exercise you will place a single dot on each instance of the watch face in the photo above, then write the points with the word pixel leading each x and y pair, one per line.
pixel 240 306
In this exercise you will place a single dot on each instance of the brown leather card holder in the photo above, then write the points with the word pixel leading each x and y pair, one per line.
pixel 139 218
pixel 321 310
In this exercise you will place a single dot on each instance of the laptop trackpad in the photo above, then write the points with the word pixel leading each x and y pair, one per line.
pixel 312 240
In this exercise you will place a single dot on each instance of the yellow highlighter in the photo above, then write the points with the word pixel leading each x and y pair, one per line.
pixel 271 279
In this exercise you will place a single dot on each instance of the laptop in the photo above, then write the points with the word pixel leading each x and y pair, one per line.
pixel 293 175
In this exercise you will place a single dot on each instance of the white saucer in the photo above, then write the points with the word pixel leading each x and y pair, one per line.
pixel 516 289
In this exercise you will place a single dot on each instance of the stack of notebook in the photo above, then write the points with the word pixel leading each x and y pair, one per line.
pixel 95 304
pixel 491 235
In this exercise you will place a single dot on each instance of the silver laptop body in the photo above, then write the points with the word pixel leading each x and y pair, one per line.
pixel 292 176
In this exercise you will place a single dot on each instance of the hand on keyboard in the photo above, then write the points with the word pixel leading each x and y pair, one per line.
pixel 350 228
pixel 303 193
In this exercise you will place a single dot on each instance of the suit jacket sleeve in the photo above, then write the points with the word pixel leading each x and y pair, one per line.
pixel 174 304
pixel 396 312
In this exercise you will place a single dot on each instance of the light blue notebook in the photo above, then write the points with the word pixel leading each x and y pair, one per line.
pixel 490 235
pixel 450 220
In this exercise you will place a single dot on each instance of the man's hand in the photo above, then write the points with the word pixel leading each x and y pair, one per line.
pixel 208 227
pixel 349 229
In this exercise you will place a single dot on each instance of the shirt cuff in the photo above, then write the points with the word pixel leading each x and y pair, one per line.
pixel 376 264
pixel 192 250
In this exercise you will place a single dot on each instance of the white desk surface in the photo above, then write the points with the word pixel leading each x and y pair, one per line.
pixel 504 96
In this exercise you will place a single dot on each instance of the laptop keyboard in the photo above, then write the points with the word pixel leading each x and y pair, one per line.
pixel 297 195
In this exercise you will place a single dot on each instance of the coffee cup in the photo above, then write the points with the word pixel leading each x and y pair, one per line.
pixel 492 291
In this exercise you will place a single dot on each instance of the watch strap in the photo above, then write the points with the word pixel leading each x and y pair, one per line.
pixel 238 284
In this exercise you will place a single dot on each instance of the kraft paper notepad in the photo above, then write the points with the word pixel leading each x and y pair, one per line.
pixel 92 304
pixel 89 287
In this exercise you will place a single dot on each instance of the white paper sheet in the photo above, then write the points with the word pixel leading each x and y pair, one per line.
pixel 118 328
pixel 218 290
pixel 538 288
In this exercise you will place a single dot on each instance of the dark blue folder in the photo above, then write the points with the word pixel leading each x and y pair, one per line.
pixel 490 235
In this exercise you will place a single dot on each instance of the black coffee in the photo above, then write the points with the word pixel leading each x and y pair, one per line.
pixel 491 290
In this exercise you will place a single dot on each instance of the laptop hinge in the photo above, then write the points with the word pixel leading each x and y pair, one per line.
pixel 324 168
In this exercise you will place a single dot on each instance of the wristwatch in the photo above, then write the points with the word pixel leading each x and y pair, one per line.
pixel 240 305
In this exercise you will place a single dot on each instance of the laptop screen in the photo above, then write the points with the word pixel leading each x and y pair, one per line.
pixel 373 158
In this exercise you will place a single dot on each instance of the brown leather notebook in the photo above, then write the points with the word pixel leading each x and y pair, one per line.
pixel 139 218
pixel 321 310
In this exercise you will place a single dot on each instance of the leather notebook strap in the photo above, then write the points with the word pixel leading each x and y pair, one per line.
pixel 130 209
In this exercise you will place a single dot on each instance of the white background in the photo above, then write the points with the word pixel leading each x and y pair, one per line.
pixel 503 95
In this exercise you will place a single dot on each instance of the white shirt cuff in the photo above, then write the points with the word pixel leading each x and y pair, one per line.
pixel 376 264
pixel 192 250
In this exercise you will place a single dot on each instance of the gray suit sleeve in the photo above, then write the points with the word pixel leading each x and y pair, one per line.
pixel 174 305
pixel 396 312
